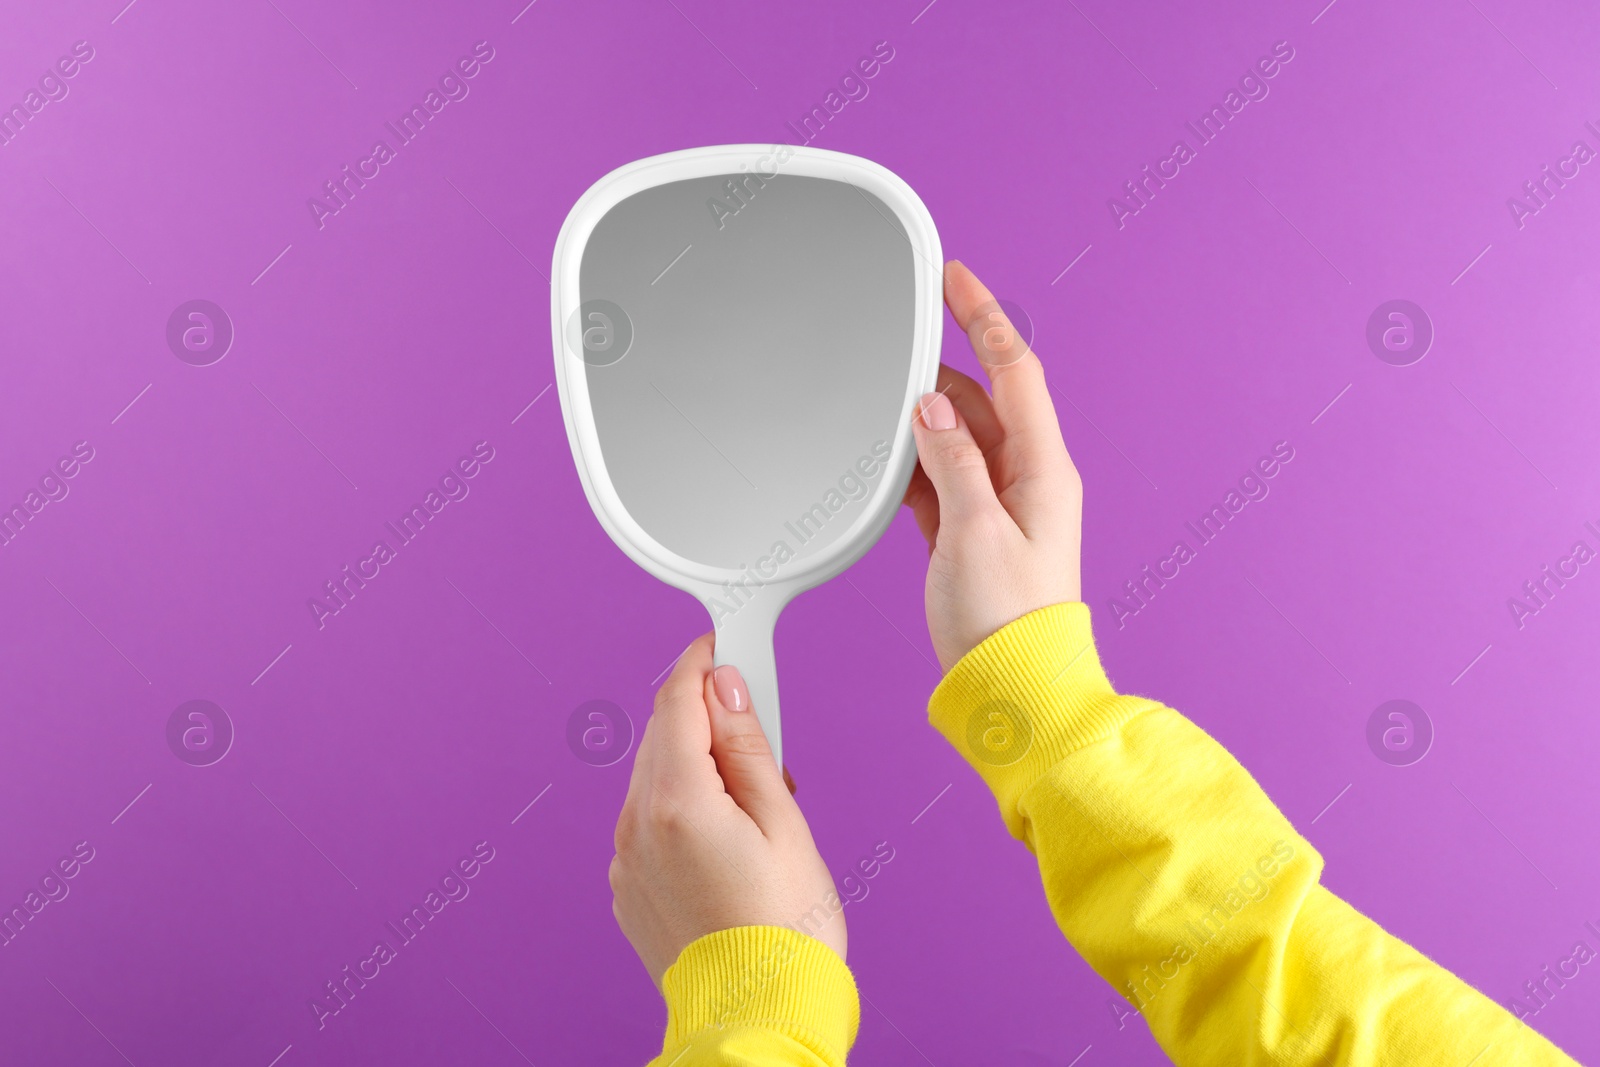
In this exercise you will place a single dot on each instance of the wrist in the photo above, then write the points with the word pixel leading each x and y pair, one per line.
pixel 770 977
pixel 1027 697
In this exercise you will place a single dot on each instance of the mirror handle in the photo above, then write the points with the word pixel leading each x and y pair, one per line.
pixel 744 639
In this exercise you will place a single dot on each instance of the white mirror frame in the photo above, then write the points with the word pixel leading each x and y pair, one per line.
pixel 744 637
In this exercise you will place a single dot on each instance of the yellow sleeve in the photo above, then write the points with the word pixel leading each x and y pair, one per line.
pixel 1175 877
pixel 758 996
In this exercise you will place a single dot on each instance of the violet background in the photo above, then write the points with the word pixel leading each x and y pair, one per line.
pixel 411 326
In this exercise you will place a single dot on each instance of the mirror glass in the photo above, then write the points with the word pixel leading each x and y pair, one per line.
pixel 746 343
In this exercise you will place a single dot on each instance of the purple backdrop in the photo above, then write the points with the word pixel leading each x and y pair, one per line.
pixel 1223 305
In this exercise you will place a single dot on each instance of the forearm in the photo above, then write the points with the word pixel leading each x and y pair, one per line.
pixel 1175 877
pixel 758 995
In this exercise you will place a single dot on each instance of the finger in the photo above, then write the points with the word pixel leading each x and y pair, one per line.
pixel 952 461
pixel 972 400
pixel 788 780
pixel 744 758
pixel 1032 448
pixel 680 729
pixel 924 504
pixel 639 775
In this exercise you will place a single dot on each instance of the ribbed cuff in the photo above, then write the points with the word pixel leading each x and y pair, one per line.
pixel 763 976
pixel 1028 697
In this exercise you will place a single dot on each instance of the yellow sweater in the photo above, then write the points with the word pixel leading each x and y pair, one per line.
pixel 1167 868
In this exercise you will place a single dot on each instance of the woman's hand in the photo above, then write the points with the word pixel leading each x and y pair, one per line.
pixel 709 837
pixel 995 492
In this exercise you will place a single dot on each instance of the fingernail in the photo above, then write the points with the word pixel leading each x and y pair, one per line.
pixel 730 688
pixel 937 413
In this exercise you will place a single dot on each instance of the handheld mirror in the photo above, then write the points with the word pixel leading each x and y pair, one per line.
pixel 742 334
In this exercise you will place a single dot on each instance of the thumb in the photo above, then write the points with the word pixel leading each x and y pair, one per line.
pixel 952 460
pixel 743 756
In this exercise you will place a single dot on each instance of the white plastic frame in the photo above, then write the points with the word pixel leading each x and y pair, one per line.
pixel 744 638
